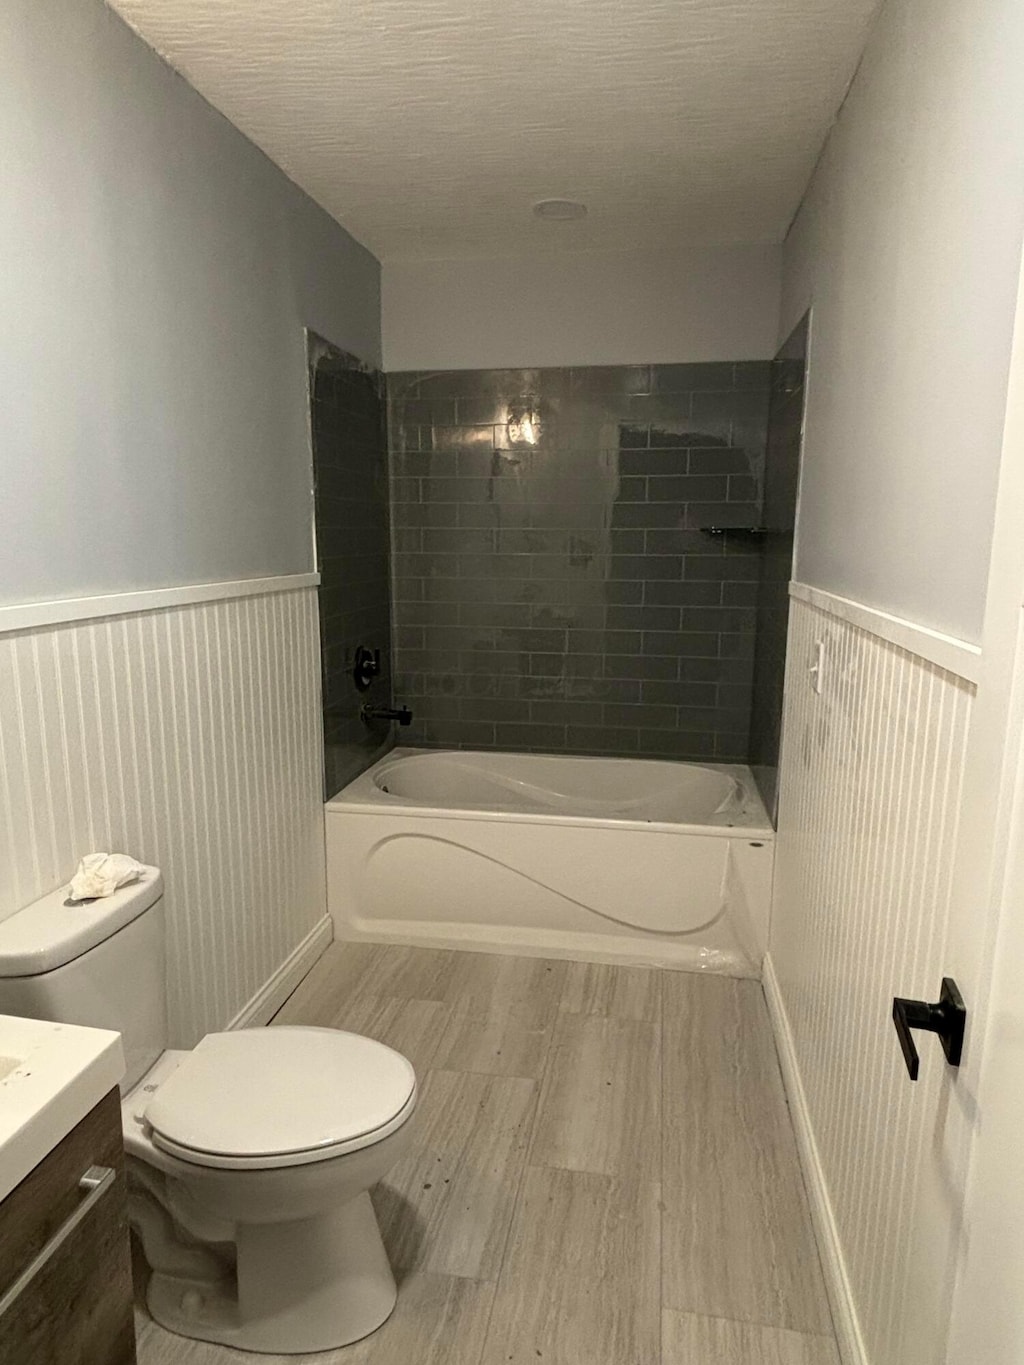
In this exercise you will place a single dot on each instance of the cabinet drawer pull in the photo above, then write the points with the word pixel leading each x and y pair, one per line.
pixel 95 1183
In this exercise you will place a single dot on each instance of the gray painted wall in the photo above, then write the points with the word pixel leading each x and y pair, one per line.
pixel 908 246
pixel 158 272
pixel 583 308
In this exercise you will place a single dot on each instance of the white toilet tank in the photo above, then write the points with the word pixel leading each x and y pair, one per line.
pixel 100 963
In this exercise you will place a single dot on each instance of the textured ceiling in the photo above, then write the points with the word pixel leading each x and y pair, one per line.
pixel 429 127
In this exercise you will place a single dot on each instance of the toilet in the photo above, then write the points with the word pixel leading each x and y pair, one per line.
pixel 250 1157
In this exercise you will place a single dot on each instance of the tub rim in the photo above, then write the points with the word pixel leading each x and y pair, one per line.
pixel 361 804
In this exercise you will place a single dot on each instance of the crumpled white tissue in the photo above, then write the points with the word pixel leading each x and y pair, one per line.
pixel 100 874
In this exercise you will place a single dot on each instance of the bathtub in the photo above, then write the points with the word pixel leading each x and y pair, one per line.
pixel 603 859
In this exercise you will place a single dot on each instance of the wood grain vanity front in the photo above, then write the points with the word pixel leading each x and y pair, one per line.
pixel 77 1308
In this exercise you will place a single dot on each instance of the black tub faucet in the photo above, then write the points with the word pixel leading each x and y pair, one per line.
pixel 371 713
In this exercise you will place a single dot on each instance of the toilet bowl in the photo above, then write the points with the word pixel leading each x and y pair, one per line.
pixel 250 1157
pixel 250 1162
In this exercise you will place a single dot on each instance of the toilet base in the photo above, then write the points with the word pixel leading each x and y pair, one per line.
pixel 305 1286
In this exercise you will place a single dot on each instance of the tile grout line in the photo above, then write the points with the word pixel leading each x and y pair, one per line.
pixel 756 1325
pixel 522 1172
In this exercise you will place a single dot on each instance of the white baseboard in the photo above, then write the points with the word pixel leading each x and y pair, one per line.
pixel 272 995
pixel 833 1262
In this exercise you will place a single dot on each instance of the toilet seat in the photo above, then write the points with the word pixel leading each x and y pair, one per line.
pixel 260 1098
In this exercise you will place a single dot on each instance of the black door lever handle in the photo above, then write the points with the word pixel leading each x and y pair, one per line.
pixel 947 1019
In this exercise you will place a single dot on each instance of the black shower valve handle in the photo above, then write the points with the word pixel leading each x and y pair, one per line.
pixel 947 1018
pixel 366 667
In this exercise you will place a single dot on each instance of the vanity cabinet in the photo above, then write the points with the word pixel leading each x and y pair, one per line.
pixel 65 1268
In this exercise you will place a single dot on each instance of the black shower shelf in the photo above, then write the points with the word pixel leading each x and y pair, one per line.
pixel 753 532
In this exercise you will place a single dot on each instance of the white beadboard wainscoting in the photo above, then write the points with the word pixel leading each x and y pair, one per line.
pixel 188 737
pixel 871 776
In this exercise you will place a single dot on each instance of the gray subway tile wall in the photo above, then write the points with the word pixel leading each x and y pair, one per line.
pixel 350 466
pixel 781 484
pixel 553 587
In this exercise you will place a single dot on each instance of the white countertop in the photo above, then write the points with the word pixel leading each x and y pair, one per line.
pixel 51 1075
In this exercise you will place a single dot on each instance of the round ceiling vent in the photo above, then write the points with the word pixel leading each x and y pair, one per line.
pixel 560 210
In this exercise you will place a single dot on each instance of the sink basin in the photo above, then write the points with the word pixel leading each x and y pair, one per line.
pixel 51 1075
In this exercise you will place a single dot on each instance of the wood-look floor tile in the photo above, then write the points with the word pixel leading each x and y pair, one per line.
pixel 616 992
pixel 338 975
pixel 689 1339
pixel 502 1013
pixel 438 1320
pixel 490 1044
pixel 568 1249
pixel 446 1207
pixel 155 1346
pixel 414 973
pixel 412 1027
pixel 737 1236
pixel 600 1103
pixel 347 972
pixel 580 1280
pixel 528 987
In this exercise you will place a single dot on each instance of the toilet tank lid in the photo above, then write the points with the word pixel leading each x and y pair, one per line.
pixel 49 932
